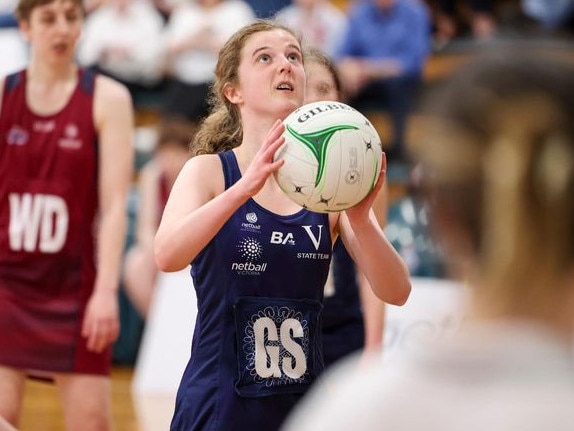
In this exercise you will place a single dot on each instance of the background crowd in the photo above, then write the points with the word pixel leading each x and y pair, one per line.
pixel 164 51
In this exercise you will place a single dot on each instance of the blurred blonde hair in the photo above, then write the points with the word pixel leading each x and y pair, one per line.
pixel 498 157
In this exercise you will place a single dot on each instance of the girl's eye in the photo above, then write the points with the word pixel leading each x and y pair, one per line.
pixel 294 58
pixel 264 58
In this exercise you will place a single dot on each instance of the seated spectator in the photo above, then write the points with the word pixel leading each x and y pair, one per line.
pixel 381 60
pixel 122 39
pixel 195 31
pixel 553 16
pixel 320 23
pixel 155 181
pixel 266 9
pixel 454 18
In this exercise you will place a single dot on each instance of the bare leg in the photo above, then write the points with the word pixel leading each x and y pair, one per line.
pixel 5 426
pixel 87 401
pixel 11 394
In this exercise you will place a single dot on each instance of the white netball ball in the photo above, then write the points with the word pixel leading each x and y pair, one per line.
pixel 332 154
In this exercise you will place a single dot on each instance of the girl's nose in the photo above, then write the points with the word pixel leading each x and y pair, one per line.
pixel 286 65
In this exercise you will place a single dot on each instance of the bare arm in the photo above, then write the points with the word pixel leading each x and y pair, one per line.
pixel 198 205
pixel 373 316
pixel 363 237
pixel 113 114
pixel 148 211
pixel 373 308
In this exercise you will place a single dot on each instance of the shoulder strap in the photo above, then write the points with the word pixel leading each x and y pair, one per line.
pixel 87 81
pixel 231 171
pixel 13 80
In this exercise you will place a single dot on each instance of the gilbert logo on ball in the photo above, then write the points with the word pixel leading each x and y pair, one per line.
pixel 332 156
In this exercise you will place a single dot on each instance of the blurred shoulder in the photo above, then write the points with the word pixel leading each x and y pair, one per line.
pixel 111 90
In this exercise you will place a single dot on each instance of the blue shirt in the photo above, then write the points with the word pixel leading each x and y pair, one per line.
pixel 402 33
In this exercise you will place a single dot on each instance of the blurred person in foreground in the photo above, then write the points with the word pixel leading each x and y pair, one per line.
pixel 498 166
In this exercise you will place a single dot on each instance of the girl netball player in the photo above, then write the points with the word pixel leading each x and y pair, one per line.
pixel 258 260
pixel 65 168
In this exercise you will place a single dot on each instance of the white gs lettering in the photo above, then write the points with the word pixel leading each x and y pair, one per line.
pixel 263 326
pixel 37 222
pixel 267 356
pixel 292 328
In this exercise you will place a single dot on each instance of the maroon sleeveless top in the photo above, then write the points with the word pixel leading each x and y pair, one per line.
pixel 48 203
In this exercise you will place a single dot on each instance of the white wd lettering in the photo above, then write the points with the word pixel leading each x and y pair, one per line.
pixel 37 222
pixel 280 238
pixel 267 356
pixel 316 241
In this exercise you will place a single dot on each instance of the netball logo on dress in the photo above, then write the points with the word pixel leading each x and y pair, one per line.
pixel 250 225
pixel 70 139
pixel 44 126
pixel 17 136
pixel 250 250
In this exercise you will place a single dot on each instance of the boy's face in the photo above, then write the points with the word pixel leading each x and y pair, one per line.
pixel 54 28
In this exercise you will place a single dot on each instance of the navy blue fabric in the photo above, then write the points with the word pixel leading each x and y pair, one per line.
pixel 259 284
pixel 343 327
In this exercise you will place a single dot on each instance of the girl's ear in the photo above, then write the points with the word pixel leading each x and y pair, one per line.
pixel 232 94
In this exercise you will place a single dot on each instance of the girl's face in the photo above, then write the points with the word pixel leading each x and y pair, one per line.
pixel 271 75
pixel 53 29
pixel 320 83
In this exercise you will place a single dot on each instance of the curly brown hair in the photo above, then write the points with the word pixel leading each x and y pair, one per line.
pixel 221 130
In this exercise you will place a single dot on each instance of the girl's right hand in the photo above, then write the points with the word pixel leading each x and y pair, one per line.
pixel 263 165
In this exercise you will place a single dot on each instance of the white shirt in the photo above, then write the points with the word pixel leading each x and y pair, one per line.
pixel 138 30
pixel 322 27
pixel 504 377
pixel 13 47
pixel 196 66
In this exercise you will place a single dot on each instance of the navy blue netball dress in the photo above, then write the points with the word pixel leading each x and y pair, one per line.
pixel 257 341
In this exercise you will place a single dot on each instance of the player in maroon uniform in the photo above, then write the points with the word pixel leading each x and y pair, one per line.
pixel 65 168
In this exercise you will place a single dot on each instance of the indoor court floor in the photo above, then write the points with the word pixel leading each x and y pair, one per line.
pixel 42 409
